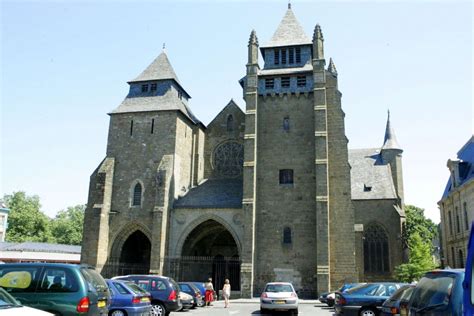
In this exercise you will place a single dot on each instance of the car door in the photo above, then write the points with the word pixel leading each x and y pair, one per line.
pixel 468 290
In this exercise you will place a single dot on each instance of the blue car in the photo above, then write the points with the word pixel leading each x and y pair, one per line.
pixel 128 299
pixel 201 287
pixel 468 303
pixel 364 300
pixel 439 292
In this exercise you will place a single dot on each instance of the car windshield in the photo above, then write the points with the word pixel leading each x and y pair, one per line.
pixel 278 288
pixel 398 294
pixel 433 289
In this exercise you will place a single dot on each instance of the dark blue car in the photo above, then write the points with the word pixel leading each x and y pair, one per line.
pixel 365 300
pixel 468 302
pixel 128 299
pixel 439 293
pixel 201 286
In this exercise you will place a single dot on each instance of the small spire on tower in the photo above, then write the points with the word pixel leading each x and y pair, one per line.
pixel 332 69
pixel 253 38
pixel 390 140
pixel 289 4
pixel 318 34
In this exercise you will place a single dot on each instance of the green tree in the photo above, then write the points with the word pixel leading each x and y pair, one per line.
pixel 418 234
pixel 420 260
pixel 26 222
pixel 67 225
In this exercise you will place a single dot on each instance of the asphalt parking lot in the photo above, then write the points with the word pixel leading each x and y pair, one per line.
pixel 252 307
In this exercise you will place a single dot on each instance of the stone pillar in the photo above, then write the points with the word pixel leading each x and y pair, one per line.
pixel 95 242
pixel 250 168
pixel 159 229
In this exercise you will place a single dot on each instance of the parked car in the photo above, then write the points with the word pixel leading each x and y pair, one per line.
pixel 63 289
pixel 279 296
pixel 186 300
pixel 127 298
pixel 468 303
pixel 202 288
pixel 164 292
pixel 11 307
pixel 365 300
pixel 392 305
pixel 439 292
pixel 330 297
pixel 191 289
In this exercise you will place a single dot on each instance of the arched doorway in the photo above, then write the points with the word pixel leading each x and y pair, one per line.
pixel 135 254
pixel 211 251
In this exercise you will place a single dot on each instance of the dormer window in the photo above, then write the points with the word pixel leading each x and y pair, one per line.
pixel 301 81
pixel 298 54
pixel 144 88
pixel 285 82
pixel 291 55
pixel 277 56
pixel 269 83
pixel 153 87
pixel 283 56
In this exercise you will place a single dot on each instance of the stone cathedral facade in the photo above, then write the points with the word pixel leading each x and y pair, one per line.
pixel 268 193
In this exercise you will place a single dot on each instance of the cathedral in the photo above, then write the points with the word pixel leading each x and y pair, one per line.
pixel 268 193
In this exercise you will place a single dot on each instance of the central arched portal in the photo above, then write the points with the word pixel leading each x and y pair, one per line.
pixel 135 254
pixel 211 251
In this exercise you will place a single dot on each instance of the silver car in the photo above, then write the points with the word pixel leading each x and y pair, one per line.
pixel 279 296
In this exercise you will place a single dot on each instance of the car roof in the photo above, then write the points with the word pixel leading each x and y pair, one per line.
pixel 279 283
pixel 141 276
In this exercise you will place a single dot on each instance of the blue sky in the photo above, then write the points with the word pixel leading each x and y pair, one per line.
pixel 65 65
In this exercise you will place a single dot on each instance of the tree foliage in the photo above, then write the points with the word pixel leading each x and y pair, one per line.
pixel 418 234
pixel 420 260
pixel 67 225
pixel 26 222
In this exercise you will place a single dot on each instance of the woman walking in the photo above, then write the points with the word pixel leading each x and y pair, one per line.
pixel 209 296
pixel 226 292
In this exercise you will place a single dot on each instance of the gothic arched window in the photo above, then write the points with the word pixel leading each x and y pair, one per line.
pixel 287 235
pixel 137 195
pixel 230 123
pixel 286 124
pixel 376 250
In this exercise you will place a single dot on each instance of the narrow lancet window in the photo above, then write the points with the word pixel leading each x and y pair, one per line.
pixel 230 123
pixel 137 195
pixel 287 235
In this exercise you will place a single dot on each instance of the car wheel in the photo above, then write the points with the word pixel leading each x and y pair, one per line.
pixel 158 310
pixel 294 312
pixel 263 311
pixel 117 313
pixel 367 312
pixel 330 304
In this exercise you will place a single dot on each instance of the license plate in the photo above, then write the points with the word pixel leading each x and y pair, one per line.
pixel 101 304
pixel 279 302
pixel 145 299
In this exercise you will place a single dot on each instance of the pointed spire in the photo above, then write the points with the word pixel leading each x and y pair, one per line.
pixel 289 32
pixel 164 46
pixel 253 38
pixel 159 69
pixel 289 4
pixel 318 34
pixel 390 140
pixel 332 68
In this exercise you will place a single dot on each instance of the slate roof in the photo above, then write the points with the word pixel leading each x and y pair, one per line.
pixel 284 71
pixel 39 247
pixel 288 33
pixel 159 69
pixel 167 102
pixel 390 140
pixel 466 155
pixel 368 171
pixel 213 193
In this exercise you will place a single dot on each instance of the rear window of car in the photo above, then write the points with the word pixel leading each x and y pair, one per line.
pixel 278 288
pixel 94 279
pixel 19 279
pixel 433 289
pixel 185 288
pixel 120 288
pixel 135 288
pixel 398 294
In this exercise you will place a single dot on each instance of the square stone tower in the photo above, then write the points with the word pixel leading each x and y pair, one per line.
pixel 297 192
